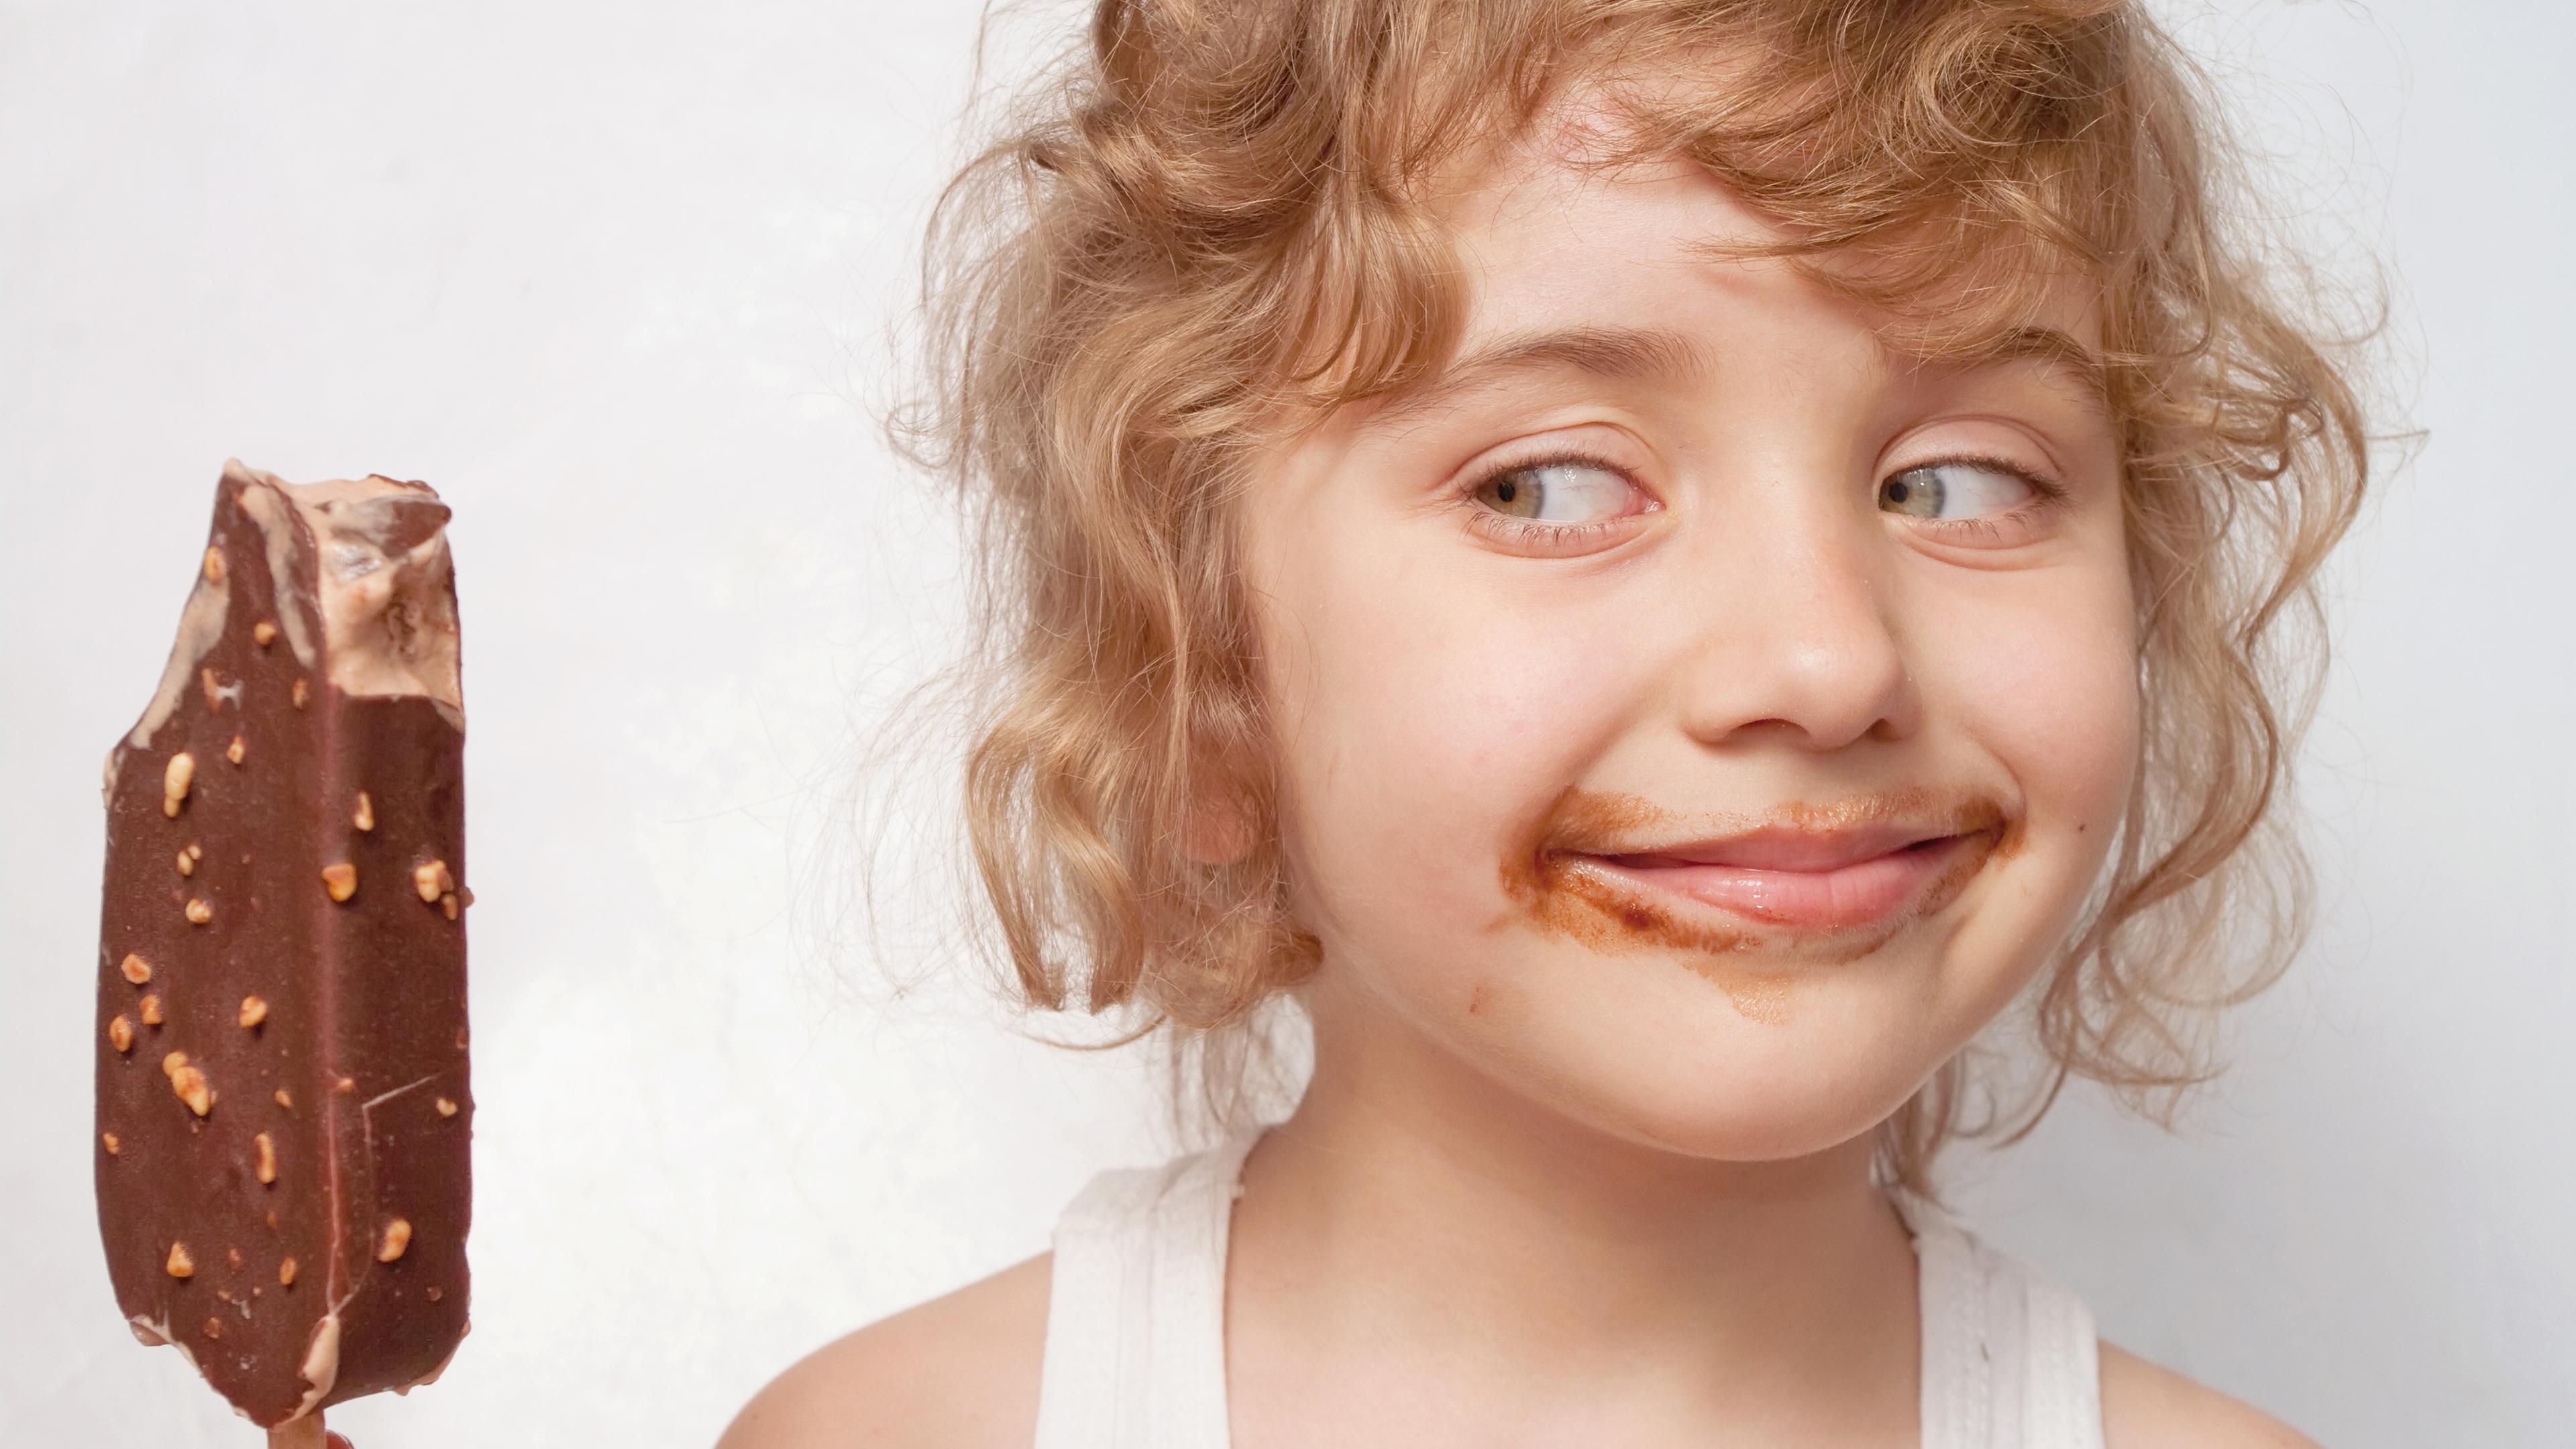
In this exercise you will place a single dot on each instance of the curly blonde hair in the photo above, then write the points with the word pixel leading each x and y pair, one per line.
pixel 1212 222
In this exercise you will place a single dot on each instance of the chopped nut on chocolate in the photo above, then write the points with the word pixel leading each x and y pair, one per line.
pixel 214 564
pixel 175 780
pixel 235 751
pixel 340 880
pixel 279 1096
pixel 199 912
pixel 179 1264
pixel 432 881
pixel 447 904
pixel 267 1169
pixel 232 1260
pixel 446 1108
pixel 108 1141
pixel 298 695
pixel 345 1084
pixel 196 851
pixel 136 969
pixel 187 863
pixel 120 1033
pixel 365 818
pixel 173 1062
pixel 253 1011
pixel 214 1328
pixel 286 1272
pixel 397 1238
pixel 433 1295
pixel 214 691
pixel 190 1085
pixel 150 1010
pixel 263 633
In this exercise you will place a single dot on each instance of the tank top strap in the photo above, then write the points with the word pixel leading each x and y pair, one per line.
pixel 1135 1340
pixel 2009 1356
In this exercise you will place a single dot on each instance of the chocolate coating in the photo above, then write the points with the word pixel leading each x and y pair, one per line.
pixel 324 1039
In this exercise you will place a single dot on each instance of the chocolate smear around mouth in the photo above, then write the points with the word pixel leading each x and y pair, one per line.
pixel 1559 879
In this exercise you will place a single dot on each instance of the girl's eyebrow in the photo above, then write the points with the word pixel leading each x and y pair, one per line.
pixel 2051 347
pixel 1619 352
pixel 1666 354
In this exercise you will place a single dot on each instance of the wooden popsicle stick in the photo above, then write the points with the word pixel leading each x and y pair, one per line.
pixel 303 1433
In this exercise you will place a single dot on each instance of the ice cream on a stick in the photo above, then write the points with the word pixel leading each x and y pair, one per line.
pixel 283 1108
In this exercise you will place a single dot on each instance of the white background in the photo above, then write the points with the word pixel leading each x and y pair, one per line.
pixel 615 278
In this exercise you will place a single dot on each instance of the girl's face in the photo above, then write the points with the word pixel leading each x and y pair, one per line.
pixel 1694 717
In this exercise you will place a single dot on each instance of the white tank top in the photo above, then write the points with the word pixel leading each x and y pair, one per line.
pixel 1135 1345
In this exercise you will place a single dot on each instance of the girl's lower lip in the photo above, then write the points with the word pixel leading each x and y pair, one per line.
pixel 1859 894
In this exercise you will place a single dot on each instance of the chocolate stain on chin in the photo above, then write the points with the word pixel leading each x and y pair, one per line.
pixel 1566 892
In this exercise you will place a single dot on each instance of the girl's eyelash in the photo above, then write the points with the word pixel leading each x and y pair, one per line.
pixel 2049 495
pixel 2047 488
pixel 1504 528
pixel 1576 457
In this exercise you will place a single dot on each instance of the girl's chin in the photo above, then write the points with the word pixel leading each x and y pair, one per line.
pixel 1807 1132
pixel 1727 1074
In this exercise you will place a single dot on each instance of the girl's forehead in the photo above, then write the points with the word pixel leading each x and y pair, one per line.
pixel 1547 236
pixel 1568 210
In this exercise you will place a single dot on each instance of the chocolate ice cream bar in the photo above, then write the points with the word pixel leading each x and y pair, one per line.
pixel 283 1111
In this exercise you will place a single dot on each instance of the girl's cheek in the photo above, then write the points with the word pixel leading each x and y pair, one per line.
pixel 1431 725
pixel 2044 680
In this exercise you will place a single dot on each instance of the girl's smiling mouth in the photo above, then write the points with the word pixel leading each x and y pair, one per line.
pixel 1842 878
pixel 1804 880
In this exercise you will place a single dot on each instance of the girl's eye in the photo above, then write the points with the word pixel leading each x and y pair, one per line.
pixel 1954 490
pixel 1566 492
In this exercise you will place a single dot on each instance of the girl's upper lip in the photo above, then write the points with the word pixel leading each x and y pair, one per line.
pixel 1784 848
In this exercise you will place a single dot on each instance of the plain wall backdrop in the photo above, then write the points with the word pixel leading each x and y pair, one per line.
pixel 616 277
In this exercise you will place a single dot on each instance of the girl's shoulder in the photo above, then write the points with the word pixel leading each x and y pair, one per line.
pixel 2069 1375
pixel 2148 1406
pixel 960 1370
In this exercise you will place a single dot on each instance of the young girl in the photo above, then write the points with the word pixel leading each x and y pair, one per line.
pixel 1652 567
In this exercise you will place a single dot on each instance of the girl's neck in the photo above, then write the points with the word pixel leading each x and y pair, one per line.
pixel 1410 1200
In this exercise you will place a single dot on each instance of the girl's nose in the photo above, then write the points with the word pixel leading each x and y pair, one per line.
pixel 1797 636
